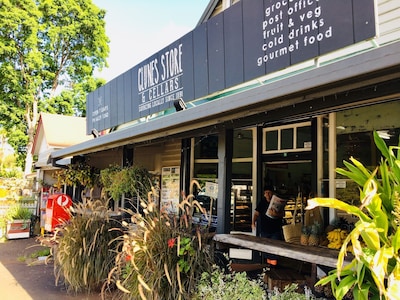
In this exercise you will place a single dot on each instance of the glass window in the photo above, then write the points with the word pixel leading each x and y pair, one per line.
pixel 304 137
pixel 205 166
pixel 287 138
pixel 271 140
pixel 354 137
pixel 206 170
pixel 242 170
pixel 206 147
pixel 355 129
pixel 242 143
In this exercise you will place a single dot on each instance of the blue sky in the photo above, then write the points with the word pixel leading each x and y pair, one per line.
pixel 137 29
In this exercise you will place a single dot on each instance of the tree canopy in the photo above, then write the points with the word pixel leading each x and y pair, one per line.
pixel 47 46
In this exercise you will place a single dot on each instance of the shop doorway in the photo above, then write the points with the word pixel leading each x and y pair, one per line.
pixel 287 158
pixel 289 178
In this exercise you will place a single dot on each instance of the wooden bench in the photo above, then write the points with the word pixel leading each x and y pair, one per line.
pixel 314 255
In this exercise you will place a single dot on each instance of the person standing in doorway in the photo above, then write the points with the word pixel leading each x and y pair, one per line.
pixel 268 227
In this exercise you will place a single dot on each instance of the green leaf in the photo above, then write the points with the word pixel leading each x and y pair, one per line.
pixel 381 145
pixel 396 241
pixel 344 286
pixel 343 271
pixel 335 203
pixel 342 253
pixel 394 283
pixel 373 203
pixel 361 293
pixel 370 235
pixel 379 266
pixel 327 279
pixel 361 168
pixel 385 188
pixel 357 248
pixel 353 173
pixel 360 271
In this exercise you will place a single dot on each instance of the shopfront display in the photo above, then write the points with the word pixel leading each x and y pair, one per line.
pixel 276 92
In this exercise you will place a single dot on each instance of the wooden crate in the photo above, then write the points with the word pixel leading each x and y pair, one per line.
pixel 282 277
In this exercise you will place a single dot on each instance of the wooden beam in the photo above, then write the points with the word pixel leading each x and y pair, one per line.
pixel 315 255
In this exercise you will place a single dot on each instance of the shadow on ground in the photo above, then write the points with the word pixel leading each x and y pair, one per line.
pixel 23 278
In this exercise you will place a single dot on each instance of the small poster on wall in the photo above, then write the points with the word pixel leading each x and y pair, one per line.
pixel 170 189
pixel 212 189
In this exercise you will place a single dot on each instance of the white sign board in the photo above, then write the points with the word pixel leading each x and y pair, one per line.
pixel 170 189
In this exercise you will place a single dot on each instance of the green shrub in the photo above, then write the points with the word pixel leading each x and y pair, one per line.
pixel 290 293
pixel 18 212
pixel 220 286
pixel 42 252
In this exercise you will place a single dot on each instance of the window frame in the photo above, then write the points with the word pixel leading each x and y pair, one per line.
pixel 279 129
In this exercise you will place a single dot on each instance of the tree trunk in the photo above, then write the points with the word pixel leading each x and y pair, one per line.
pixel 28 159
pixel 31 120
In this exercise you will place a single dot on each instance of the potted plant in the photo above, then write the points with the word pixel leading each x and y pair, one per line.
pixel 18 220
pixel 374 272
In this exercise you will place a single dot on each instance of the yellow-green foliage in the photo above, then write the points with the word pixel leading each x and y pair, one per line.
pixel 374 273
pixel 18 212
pixel 396 211
pixel 10 188
pixel 86 248
pixel 78 174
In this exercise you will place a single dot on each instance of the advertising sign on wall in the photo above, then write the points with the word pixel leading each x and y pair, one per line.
pixel 169 201
pixel 250 39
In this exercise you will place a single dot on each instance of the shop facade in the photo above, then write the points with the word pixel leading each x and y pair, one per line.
pixel 263 92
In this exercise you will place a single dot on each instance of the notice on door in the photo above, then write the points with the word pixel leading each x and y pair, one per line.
pixel 170 190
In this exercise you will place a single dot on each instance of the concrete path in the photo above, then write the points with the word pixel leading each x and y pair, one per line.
pixel 22 281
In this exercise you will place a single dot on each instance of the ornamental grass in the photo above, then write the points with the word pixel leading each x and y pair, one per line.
pixel 163 255
pixel 86 248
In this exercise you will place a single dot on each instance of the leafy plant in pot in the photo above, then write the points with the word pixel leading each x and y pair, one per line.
pixel 374 273
pixel 18 220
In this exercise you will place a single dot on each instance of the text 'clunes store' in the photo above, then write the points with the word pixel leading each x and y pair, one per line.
pixel 262 92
